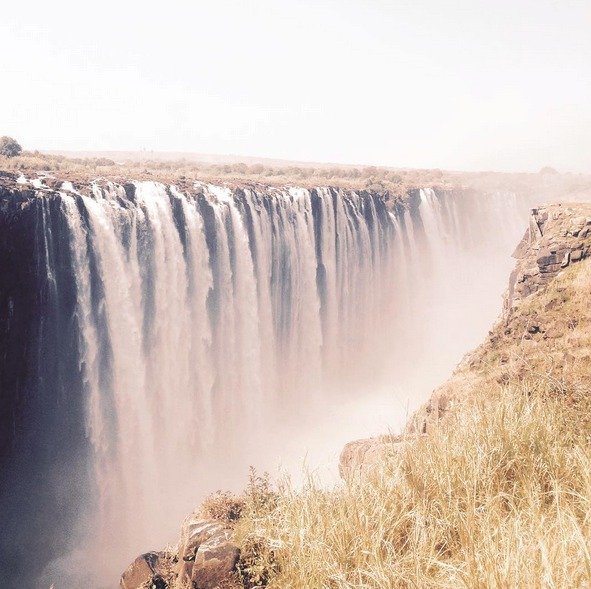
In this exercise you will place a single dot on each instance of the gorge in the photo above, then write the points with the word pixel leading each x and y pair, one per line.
pixel 156 340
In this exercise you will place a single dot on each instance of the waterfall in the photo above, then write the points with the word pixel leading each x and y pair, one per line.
pixel 204 318
pixel 218 328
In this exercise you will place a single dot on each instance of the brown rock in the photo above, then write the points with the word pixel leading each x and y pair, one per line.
pixel 546 258
pixel 207 555
pixel 146 570
pixel 553 333
pixel 361 457
pixel 52 183
pixel 215 562
pixel 576 225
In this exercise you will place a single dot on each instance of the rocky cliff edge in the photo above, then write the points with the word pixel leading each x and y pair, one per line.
pixel 544 330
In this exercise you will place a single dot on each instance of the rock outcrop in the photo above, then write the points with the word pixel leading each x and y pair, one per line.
pixel 205 558
pixel 545 324
pixel 557 236
pixel 206 552
pixel 362 457
pixel 545 328
pixel 152 569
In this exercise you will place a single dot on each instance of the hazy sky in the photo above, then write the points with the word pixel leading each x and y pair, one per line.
pixel 480 84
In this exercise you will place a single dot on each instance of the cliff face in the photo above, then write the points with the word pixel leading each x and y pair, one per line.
pixel 42 418
pixel 557 236
pixel 543 334
pixel 545 327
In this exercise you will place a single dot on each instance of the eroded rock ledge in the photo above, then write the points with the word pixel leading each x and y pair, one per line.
pixel 557 236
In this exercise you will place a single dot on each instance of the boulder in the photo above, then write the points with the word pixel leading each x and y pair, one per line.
pixel 207 554
pixel 206 558
pixel 215 562
pixel 361 457
pixel 147 570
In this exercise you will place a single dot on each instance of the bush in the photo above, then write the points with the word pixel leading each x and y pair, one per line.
pixel 104 161
pixel 9 147
pixel 224 507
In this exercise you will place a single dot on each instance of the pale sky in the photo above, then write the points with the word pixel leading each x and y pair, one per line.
pixel 471 84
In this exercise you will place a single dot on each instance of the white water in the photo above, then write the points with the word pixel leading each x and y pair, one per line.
pixel 307 321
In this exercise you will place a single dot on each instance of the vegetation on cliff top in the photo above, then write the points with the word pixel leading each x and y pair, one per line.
pixel 391 181
pixel 9 147
pixel 373 178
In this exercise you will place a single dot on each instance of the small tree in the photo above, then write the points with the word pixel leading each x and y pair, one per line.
pixel 9 147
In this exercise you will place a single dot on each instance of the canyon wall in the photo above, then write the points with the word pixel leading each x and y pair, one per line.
pixel 155 341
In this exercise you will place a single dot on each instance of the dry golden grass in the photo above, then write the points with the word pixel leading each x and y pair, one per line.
pixel 497 495
pixel 499 498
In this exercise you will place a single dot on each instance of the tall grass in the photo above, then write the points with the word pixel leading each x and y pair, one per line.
pixel 500 497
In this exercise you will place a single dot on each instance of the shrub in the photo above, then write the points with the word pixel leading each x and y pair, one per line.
pixel 104 161
pixel 549 170
pixel 224 507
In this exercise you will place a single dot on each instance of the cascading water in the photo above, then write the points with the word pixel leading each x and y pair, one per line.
pixel 203 320
pixel 217 328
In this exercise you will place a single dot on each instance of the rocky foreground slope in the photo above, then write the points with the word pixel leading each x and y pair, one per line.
pixel 541 344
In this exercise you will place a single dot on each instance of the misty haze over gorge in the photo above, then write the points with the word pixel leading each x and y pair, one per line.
pixel 292 295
